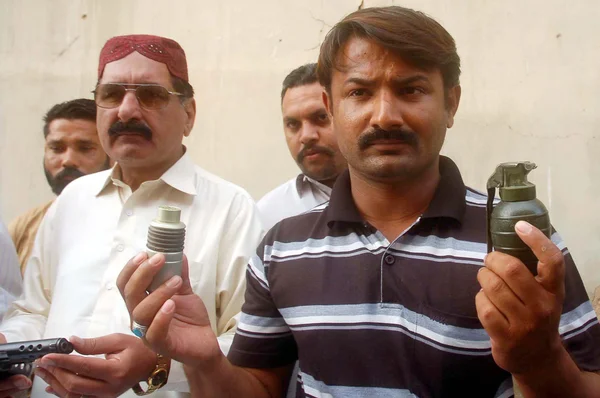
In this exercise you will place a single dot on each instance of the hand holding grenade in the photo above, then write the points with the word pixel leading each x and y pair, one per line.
pixel 517 202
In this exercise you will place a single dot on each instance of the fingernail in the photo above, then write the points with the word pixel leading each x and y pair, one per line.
pixel 75 340
pixel 46 363
pixel 137 260
pixel 22 384
pixel 155 259
pixel 168 307
pixel 174 281
pixel 523 227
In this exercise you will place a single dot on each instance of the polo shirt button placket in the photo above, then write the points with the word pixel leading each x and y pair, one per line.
pixel 389 259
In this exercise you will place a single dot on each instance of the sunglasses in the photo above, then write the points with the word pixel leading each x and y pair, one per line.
pixel 149 96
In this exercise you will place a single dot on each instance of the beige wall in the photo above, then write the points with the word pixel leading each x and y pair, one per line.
pixel 530 89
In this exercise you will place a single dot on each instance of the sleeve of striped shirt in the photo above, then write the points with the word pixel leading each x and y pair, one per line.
pixel 579 327
pixel 262 339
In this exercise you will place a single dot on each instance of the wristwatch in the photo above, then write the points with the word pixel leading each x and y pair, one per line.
pixel 158 377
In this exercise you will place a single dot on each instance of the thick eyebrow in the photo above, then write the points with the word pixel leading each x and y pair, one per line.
pixel 318 112
pixel 400 81
pixel 288 119
pixel 85 142
pixel 410 80
pixel 78 142
pixel 312 115
pixel 359 82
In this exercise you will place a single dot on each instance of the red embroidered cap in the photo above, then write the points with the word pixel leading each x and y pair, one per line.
pixel 160 49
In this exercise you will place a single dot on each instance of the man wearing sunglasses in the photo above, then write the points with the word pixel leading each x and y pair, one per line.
pixel 145 108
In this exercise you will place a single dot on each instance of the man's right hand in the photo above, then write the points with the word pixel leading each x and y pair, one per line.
pixel 179 328
pixel 13 384
pixel 177 320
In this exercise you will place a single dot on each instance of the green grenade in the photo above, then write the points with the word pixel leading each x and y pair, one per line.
pixel 517 202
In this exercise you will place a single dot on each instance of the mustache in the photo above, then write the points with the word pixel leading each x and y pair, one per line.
pixel 313 148
pixel 68 172
pixel 118 128
pixel 376 134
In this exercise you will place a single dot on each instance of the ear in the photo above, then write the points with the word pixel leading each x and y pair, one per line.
pixel 190 111
pixel 327 102
pixel 452 101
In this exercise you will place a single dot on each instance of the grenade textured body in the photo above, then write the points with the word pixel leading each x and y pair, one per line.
pixel 166 235
pixel 502 227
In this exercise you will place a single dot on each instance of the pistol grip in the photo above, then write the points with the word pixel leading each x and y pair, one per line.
pixel 17 369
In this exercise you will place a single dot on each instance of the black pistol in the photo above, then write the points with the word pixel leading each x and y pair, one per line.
pixel 16 358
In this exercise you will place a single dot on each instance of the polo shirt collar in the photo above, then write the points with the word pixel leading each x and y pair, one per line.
pixel 303 183
pixel 448 200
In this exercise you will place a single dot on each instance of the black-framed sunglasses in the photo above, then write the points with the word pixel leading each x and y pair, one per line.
pixel 149 96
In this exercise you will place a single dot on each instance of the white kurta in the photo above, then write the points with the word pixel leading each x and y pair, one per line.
pixel 97 224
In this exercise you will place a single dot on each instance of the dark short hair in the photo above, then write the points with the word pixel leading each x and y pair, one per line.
pixel 301 76
pixel 183 87
pixel 412 35
pixel 81 108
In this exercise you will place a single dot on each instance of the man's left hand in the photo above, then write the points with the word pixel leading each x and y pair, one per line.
pixel 127 361
pixel 521 312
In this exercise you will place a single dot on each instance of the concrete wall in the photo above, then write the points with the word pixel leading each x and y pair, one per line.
pixel 530 89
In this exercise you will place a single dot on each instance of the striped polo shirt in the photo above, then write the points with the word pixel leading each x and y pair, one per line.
pixel 367 317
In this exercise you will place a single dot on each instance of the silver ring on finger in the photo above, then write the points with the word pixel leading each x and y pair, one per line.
pixel 138 330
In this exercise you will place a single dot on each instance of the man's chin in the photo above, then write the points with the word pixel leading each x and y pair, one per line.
pixel 391 168
pixel 57 188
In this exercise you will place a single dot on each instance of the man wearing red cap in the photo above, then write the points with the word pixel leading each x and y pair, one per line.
pixel 145 108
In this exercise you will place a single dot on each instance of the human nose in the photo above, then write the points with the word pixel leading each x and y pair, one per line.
pixel 70 158
pixel 130 107
pixel 387 112
pixel 309 133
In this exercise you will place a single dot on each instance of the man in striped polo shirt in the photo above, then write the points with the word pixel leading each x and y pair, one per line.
pixel 386 291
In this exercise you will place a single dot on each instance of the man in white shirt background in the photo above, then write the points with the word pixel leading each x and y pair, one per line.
pixel 312 143
pixel 71 150
pixel 100 221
